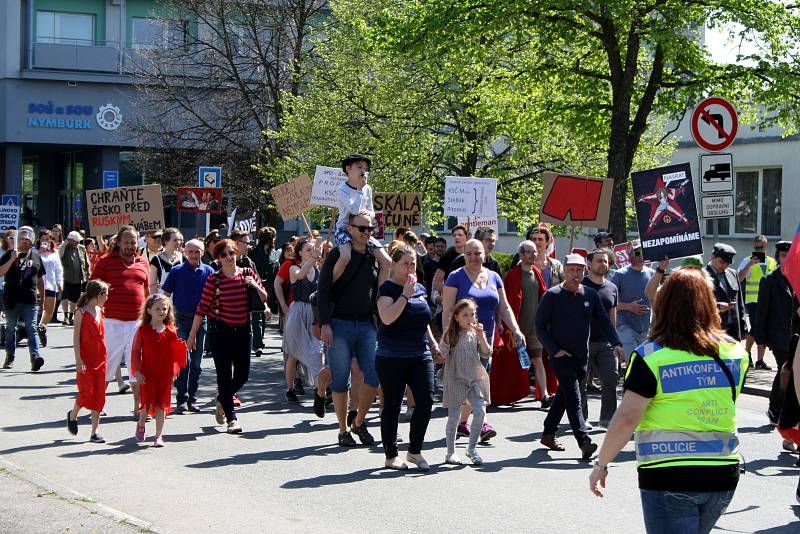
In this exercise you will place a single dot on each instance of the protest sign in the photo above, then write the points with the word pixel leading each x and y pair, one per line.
pixel 477 222
pixel 470 197
pixel 380 226
pixel 244 221
pixel 580 252
pixel 9 217
pixel 293 197
pixel 140 206
pixel 666 212
pixel 199 199
pixel 399 209
pixel 327 181
pixel 621 255
pixel 576 200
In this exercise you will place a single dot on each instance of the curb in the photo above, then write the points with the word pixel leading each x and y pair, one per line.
pixel 76 497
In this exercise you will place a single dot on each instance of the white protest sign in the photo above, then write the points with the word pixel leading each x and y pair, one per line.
pixel 477 222
pixel 470 197
pixel 327 181
pixel 9 217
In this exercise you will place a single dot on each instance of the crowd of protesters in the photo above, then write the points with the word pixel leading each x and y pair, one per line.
pixel 410 319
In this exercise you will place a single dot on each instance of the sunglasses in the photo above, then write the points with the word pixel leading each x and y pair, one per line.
pixel 528 251
pixel 226 253
pixel 362 228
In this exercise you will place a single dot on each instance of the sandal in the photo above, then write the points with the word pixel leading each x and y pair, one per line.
pixel 139 433
pixel 552 443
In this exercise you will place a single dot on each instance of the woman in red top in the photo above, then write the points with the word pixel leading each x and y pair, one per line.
pixel 88 341
pixel 157 356
pixel 224 302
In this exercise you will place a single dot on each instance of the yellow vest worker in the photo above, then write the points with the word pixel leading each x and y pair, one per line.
pixel 754 277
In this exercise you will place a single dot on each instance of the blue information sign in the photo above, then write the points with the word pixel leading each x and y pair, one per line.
pixel 110 179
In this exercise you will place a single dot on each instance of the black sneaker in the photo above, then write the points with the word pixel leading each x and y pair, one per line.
pixel 9 363
pixel 180 408
pixel 587 450
pixel 97 438
pixel 36 363
pixel 763 366
pixel 346 439
pixel 546 402
pixel 319 405
pixel 258 353
pixel 42 329
pixel 363 434
pixel 291 395
pixel 773 417
pixel 351 417
pixel 72 426
pixel 191 407
pixel 298 387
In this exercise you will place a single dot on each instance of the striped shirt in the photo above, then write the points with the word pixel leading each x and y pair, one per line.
pixel 128 285
pixel 233 309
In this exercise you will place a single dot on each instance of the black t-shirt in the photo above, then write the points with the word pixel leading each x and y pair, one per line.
pixel 608 297
pixel 20 281
pixel 640 379
pixel 446 261
pixel 429 266
pixel 408 334
pixel 490 263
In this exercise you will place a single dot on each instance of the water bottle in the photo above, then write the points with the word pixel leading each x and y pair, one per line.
pixel 524 359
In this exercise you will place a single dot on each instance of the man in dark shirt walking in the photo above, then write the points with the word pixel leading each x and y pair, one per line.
pixel 601 354
pixel 347 328
pixel 563 323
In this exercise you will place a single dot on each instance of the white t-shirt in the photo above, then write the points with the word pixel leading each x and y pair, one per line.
pixel 351 201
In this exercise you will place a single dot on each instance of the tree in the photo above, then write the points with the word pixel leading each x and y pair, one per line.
pixel 606 69
pixel 214 78
pixel 424 116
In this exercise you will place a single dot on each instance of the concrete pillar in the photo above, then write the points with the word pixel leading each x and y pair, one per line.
pixel 12 169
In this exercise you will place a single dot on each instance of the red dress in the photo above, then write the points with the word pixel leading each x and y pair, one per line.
pixel 159 357
pixel 92 382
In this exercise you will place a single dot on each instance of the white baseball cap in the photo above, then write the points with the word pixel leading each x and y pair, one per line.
pixel 75 236
pixel 575 259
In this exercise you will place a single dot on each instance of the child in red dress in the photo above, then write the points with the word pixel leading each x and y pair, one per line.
pixel 88 340
pixel 157 357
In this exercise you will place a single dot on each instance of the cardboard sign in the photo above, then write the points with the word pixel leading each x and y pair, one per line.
pixel 576 200
pixel 293 197
pixel 9 217
pixel 140 206
pixel 327 181
pixel 473 223
pixel 580 252
pixel 399 209
pixel 667 212
pixel 199 199
pixel 470 197
pixel 622 259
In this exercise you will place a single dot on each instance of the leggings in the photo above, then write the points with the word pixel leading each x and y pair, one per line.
pixel 454 414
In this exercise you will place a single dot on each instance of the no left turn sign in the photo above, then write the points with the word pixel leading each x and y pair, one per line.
pixel 714 124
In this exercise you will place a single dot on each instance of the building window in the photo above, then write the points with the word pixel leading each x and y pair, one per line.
pixel 757 202
pixel 157 33
pixel 64 28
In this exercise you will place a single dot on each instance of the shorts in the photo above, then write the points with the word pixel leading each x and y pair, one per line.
pixel 120 334
pixel 342 236
pixel 50 293
pixel 751 313
pixel 533 345
pixel 72 292
pixel 352 339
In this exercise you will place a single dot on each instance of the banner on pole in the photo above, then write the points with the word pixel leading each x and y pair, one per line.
pixel 199 200
pixel 576 200
pixel 666 212
pixel 399 209
pixel 140 206
pixel 327 181
pixel 293 197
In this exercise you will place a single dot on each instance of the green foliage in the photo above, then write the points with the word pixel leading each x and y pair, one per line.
pixel 510 88
pixel 504 260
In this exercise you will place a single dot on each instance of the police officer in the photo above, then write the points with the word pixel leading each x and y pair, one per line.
pixel 751 271
pixel 727 290
pixel 680 395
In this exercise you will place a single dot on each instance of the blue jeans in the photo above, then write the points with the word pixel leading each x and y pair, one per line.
pixel 630 338
pixel 687 512
pixel 352 339
pixel 186 383
pixel 28 312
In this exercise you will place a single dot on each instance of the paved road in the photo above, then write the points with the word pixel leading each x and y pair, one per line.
pixel 285 472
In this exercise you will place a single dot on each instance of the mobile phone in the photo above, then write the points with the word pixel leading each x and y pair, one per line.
pixel 762 256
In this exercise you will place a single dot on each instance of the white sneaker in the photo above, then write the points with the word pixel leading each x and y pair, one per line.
pixel 474 457
pixel 395 463
pixel 453 459
pixel 418 460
